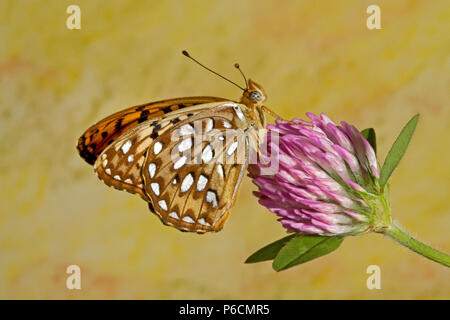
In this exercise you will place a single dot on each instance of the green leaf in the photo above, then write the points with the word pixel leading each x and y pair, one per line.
pixel 398 149
pixel 270 251
pixel 304 248
pixel 370 136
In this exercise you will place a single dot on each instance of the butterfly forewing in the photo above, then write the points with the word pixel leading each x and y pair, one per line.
pixel 192 171
pixel 92 143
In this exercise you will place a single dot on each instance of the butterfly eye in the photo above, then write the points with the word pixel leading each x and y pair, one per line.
pixel 255 96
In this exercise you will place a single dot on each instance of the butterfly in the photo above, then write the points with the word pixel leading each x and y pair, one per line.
pixel 185 157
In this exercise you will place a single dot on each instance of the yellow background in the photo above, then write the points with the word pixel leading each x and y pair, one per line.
pixel 313 56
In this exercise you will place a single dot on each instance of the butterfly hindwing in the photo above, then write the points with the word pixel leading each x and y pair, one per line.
pixel 193 171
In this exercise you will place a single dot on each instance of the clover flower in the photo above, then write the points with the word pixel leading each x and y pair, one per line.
pixel 327 185
pixel 327 178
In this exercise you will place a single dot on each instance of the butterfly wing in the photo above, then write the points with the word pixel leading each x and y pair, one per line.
pixel 92 143
pixel 193 171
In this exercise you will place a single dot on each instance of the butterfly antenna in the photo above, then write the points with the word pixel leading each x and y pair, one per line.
pixel 190 57
pixel 236 65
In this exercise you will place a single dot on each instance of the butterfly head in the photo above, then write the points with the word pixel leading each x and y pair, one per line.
pixel 254 94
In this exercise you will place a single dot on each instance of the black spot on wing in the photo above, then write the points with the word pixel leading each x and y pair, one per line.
pixel 166 109
pixel 88 156
pixel 154 135
pixel 143 116
pixel 118 124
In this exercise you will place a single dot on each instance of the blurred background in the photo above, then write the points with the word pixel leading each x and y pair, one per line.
pixel 311 56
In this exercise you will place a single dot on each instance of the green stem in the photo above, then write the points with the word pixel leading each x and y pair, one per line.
pixel 406 240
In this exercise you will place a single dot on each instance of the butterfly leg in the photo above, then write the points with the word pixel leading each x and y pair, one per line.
pixel 276 116
pixel 272 113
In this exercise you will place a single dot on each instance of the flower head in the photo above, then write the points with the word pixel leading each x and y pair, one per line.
pixel 327 182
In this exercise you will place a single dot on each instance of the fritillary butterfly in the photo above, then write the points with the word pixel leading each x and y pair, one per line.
pixel 186 157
